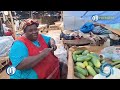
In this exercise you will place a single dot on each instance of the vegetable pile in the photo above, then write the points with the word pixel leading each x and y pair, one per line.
pixel 86 63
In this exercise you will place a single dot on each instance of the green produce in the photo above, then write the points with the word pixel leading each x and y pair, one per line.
pixel 83 58
pixel 95 55
pixel 74 57
pixel 79 75
pixel 81 70
pixel 88 54
pixel 89 63
pixel 116 62
pixel 85 52
pixel 97 70
pixel 80 64
pixel 91 70
pixel 88 58
pixel 85 63
pixel 96 62
pixel 78 52
pixel 117 66
pixel 77 56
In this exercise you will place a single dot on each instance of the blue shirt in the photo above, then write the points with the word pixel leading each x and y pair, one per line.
pixel 17 54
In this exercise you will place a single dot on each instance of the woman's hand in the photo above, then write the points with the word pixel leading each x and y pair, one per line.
pixel 52 44
pixel 54 47
pixel 46 51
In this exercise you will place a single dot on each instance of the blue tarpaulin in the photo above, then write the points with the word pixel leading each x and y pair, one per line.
pixel 75 19
pixel 87 27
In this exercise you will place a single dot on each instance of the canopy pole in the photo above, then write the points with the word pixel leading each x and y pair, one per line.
pixel 13 26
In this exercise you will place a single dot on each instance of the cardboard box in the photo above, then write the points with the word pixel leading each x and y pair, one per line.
pixel 95 49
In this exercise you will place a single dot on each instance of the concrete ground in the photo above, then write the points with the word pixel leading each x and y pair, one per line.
pixel 53 33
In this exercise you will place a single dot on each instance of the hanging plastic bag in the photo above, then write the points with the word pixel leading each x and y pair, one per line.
pixel 61 53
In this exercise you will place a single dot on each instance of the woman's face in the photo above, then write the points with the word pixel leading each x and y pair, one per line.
pixel 31 32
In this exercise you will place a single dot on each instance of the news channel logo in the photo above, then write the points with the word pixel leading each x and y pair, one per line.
pixel 95 18
pixel 11 70
pixel 109 70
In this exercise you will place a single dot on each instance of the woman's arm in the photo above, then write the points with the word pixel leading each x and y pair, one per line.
pixel 20 58
pixel 50 42
pixel 31 61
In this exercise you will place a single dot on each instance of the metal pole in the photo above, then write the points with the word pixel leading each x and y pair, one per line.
pixel 31 14
pixel 61 16
pixel 4 19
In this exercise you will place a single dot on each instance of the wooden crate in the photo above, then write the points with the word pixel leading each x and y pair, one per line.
pixel 81 42
pixel 3 62
pixel 95 49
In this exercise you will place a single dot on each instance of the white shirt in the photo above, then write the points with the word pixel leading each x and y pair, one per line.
pixel 17 23
pixel 5 28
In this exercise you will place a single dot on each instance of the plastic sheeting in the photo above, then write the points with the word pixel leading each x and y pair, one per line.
pixel 5 45
pixel 73 20
pixel 115 75
pixel 115 26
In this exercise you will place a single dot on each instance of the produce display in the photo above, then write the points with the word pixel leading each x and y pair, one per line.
pixel 88 63
pixel 116 64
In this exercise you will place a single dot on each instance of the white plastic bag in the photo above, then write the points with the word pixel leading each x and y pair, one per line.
pixel 5 45
pixel 111 52
pixel 61 53
pixel 115 75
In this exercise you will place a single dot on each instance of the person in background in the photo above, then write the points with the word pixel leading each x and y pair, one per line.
pixel 1 28
pixel 17 24
pixel 32 55
pixel 7 29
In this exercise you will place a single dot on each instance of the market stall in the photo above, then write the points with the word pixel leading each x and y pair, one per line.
pixel 85 62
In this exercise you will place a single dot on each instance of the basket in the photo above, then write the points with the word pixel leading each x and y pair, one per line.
pixel 95 49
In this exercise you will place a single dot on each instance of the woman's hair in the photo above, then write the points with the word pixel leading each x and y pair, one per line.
pixel 29 25
pixel 28 22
